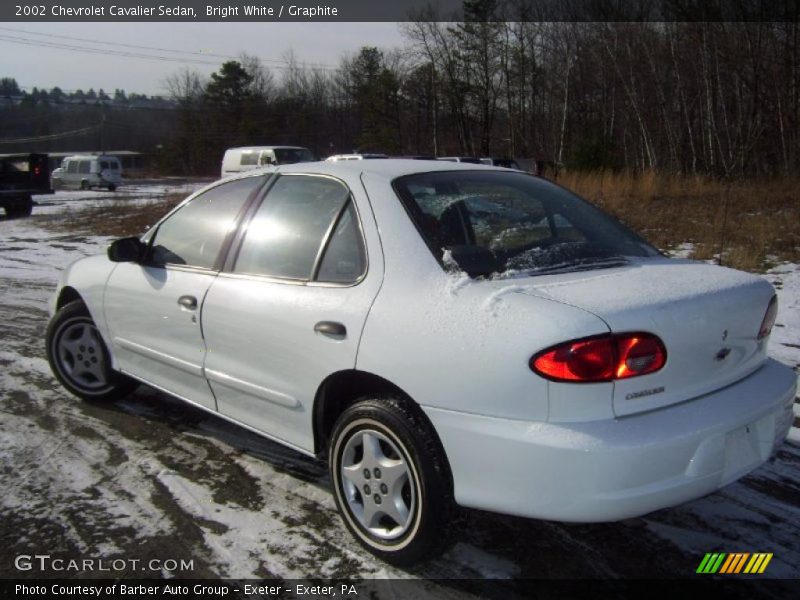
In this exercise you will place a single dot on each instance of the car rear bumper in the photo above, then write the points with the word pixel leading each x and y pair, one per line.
pixel 618 468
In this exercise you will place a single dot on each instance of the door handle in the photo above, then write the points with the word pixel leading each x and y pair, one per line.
pixel 331 328
pixel 188 302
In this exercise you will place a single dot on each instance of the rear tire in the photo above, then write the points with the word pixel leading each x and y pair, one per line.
pixel 84 185
pixel 19 208
pixel 391 480
pixel 112 187
pixel 79 357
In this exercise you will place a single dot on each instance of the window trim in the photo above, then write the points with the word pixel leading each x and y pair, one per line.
pixel 224 249
pixel 236 244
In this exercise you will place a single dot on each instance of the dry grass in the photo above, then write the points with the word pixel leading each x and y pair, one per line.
pixel 118 218
pixel 762 227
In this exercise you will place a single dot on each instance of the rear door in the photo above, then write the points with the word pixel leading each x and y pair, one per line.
pixel 290 308
pixel 152 309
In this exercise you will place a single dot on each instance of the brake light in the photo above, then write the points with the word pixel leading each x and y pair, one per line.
pixel 601 358
pixel 769 318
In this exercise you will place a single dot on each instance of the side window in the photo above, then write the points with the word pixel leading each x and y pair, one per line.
pixel 286 233
pixel 72 166
pixel 344 260
pixel 83 167
pixel 194 235
pixel 249 158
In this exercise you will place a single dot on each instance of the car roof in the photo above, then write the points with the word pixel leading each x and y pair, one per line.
pixel 389 168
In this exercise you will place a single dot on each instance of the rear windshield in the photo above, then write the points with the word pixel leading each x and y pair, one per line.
pixel 505 223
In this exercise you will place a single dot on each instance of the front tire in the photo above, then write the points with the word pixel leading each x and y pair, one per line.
pixel 391 481
pixel 80 359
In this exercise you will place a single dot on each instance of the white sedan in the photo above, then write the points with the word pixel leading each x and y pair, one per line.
pixel 443 334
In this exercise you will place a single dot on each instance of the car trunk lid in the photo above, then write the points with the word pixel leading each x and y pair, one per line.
pixel 708 318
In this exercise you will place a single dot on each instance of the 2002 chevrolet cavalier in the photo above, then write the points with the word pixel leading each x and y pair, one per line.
pixel 444 334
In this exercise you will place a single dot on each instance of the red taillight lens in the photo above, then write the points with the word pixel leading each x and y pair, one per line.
pixel 769 318
pixel 583 360
pixel 37 170
pixel 601 358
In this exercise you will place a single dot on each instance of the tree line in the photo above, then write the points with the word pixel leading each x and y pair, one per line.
pixel 719 98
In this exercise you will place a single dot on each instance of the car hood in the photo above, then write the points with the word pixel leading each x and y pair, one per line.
pixel 707 316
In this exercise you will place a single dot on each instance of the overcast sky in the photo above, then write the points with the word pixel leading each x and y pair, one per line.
pixel 28 55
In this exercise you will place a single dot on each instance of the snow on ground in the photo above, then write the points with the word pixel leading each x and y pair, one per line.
pixel 150 477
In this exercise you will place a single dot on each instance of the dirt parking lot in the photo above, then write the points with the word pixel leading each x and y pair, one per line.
pixel 151 478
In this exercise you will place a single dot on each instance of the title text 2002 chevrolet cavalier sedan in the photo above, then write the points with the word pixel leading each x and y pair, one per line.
pixel 445 335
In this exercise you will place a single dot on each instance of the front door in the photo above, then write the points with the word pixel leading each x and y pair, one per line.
pixel 153 309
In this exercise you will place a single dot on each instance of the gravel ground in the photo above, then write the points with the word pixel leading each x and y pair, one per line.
pixel 152 478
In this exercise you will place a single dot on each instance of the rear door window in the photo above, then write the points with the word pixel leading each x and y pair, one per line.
pixel 305 226
pixel 344 260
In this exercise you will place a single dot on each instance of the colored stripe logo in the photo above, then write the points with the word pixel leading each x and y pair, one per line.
pixel 734 563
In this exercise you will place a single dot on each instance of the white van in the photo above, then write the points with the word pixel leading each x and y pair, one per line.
pixel 238 160
pixel 87 171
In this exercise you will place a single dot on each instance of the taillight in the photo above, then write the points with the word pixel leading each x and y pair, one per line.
pixel 601 358
pixel 769 318
pixel 37 170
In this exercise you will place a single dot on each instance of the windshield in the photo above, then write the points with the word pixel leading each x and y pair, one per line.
pixel 512 223
pixel 288 156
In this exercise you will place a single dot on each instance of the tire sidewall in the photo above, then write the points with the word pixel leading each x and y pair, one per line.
pixel 72 314
pixel 421 533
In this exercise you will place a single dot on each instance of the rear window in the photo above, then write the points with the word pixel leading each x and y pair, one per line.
pixel 512 223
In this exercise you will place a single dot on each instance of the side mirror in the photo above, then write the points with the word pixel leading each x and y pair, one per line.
pixel 130 249
pixel 476 261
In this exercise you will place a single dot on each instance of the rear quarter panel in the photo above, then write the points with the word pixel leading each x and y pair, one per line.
pixel 454 343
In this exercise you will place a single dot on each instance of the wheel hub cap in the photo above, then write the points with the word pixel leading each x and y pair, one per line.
pixel 80 356
pixel 377 484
